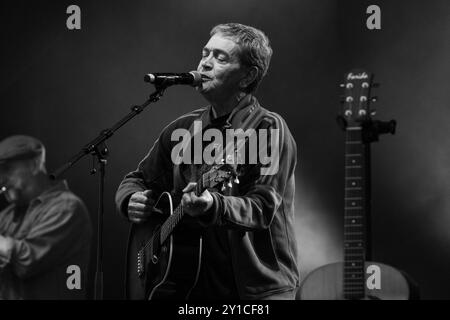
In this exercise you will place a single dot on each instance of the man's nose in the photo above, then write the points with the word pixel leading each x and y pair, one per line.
pixel 206 63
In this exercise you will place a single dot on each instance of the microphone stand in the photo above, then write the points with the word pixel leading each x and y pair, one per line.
pixel 97 148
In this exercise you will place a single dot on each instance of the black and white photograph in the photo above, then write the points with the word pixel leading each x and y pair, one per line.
pixel 220 154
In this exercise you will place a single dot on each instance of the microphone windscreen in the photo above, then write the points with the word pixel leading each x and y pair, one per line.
pixel 149 78
pixel 197 78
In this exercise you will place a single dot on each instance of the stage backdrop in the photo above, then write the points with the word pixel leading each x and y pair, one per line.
pixel 64 86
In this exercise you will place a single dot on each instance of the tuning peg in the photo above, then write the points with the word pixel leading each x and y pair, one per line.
pixel 346 98
pixel 236 180
pixel 342 85
pixel 374 99
pixel 230 184
pixel 223 187
pixel 373 112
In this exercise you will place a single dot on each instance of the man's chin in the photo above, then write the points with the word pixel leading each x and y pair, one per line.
pixel 204 91
pixel 202 87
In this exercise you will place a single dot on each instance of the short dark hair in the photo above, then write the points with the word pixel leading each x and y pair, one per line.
pixel 255 50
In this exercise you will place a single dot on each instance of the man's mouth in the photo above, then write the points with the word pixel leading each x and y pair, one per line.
pixel 205 78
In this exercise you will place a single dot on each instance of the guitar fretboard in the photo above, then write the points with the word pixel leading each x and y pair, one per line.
pixel 355 213
pixel 173 220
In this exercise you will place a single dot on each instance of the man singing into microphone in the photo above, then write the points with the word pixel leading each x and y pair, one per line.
pixel 45 231
pixel 249 246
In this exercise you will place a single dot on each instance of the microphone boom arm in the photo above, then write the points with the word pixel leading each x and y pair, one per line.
pixel 92 146
pixel 97 147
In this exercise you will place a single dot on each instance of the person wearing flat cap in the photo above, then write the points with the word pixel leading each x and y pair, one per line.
pixel 45 231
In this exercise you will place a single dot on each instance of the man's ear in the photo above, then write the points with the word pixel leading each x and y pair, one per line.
pixel 34 166
pixel 37 165
pixel 251 75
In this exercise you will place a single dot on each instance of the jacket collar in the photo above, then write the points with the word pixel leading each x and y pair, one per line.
pixel 49 192
pixel 246 106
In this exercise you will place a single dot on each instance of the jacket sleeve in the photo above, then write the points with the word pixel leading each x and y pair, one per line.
pixel 264 193
pixel 153 173
pixel 58 234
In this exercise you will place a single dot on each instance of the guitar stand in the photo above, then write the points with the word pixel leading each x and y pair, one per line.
pixel 97 148
pixel 371 128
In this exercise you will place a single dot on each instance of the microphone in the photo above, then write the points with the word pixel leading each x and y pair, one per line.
pixel 192 78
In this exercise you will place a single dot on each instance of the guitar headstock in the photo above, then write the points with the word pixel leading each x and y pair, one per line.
pixel 356 100
pixel 220 176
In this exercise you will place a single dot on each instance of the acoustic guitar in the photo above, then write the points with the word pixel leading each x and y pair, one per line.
pixel 164 255
pixel 357 277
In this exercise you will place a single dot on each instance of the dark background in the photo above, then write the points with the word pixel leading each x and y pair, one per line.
pixel 65 86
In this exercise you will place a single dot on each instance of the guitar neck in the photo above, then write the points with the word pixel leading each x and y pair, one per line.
pixel 356 211
pixel 173 220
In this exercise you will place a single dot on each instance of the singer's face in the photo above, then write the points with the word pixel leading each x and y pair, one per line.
pixel 17 177
pixel 220 68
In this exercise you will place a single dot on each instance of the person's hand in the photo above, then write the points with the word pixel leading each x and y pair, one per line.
pixel 193 205
pixel 141 206
pixel 6 245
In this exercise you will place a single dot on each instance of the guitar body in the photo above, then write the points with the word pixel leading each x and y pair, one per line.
pixel 162 271
pixel 326 283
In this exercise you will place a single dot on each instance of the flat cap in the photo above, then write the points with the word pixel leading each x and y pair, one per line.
pixel 20 147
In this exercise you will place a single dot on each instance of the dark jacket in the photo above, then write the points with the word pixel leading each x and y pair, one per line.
pixel 258 218
pixel 51 251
